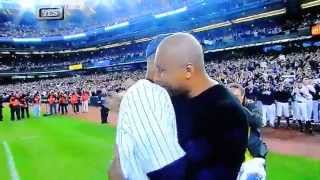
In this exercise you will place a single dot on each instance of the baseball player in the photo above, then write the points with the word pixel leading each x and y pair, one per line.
pixel 309 85
pixel 301 94
pixel 316 99
pixel 268 107
pixel 251 93
pixel 282 97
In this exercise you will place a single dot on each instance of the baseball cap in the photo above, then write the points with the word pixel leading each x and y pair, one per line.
pixel 153 45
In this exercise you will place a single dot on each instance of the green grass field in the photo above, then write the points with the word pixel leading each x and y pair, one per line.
pixel 65 148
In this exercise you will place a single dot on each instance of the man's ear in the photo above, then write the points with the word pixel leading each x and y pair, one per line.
pixel 189 70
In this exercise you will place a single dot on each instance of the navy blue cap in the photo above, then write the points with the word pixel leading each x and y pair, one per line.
pixel 153 45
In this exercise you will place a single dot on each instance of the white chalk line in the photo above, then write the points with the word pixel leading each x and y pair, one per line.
pixel 10 161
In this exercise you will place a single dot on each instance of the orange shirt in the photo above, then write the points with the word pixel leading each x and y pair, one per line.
pixel 14 101
pixel 85 97
pixel 74 99
pixel 62 99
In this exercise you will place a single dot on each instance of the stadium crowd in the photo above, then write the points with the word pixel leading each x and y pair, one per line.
pixel 216 38
pixel 74 25
pixel 51 62
pixel 280 85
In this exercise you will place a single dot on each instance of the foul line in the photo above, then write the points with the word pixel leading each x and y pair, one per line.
pixel 13 171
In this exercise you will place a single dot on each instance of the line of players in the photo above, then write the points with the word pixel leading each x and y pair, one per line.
pixel 55 102
pixel 300 101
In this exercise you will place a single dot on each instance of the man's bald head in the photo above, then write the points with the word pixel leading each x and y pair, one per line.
pixel 181 49
pixel 179 63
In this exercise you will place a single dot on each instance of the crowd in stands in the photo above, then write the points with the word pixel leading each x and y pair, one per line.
pixel 266 69
pixel 255 31
pixel 216 38
pixel 219 37
pixel 13 28
pixel 49 62
pixel 256 69
pixel 309 19
pixel 262 75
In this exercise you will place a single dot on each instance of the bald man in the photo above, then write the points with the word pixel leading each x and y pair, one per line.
pixel 146 131
pixel 212 126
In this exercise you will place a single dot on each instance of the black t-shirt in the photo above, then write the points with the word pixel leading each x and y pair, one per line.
pixel 267 97
pixel 182 109
pixel 213 130
pixel 251 93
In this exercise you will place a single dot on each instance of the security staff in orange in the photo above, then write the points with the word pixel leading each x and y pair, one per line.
pixel 14 105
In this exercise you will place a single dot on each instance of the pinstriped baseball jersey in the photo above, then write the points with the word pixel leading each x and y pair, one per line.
pixel 146 132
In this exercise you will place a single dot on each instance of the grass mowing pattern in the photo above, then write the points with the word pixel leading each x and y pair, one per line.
pixel 4 170
pixel 284 167
pixel 59 147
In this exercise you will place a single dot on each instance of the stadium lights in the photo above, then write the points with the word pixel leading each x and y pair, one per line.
pixel 310 4
pixel 87 49
pixel 27 40
pixel 74 36
pixel 213 26
pixel 116 45
pixel 259 16
pixel 142 40
pixel 22 53
pixel 116 26
pixel 5 52
pixel 169 13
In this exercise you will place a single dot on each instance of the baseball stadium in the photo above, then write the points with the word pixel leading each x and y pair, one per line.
pixel 160 89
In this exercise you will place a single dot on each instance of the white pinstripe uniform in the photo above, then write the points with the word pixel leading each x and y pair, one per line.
pixel 301 103
pixel 146 133
pixel 310 101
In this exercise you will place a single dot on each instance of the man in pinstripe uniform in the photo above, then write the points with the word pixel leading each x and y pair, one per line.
pixel 146 133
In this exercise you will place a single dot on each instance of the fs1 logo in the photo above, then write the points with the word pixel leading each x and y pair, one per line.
pixel 51 13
